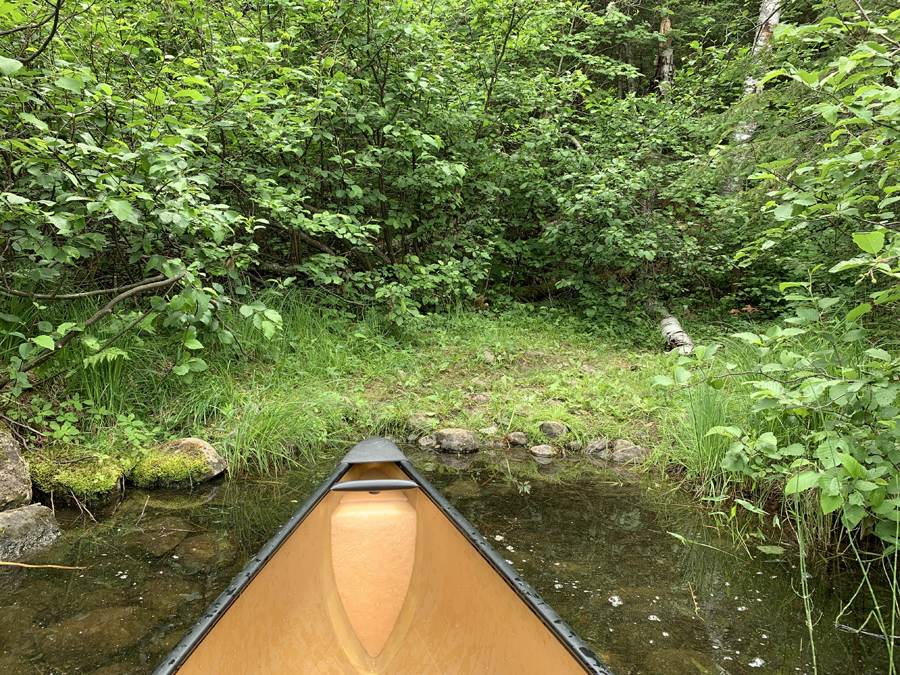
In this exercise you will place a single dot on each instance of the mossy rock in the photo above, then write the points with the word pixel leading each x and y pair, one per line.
pixel 67 470
pixel 179 463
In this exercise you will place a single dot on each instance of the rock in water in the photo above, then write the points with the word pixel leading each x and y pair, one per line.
pixel 15 483
pixel 516 438
pixel 553 430
pixel 460 441
pixel 597 447
pixel 26 530
pixel 95 635
pixel 543 451
pixel 182 462
pixel 626 452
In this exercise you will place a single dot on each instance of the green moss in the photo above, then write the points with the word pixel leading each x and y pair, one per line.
pixel 68 470
pixel 169 469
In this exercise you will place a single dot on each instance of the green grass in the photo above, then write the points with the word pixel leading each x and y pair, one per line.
pixel 331 378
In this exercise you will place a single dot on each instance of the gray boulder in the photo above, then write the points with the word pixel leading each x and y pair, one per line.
pixel 26 530
pixel 460 441
pixel 15 482
pixel 553 430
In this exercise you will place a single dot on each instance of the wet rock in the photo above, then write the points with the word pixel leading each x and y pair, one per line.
pixel 165 596
pixel 543 451
pixel 26 530
pixel 596 447
pixel 626 452
pixel 456 440
pixel 463 488
pixel 428 442
pixel 553 430
pixel 488 357
pixel 517 438
pixel 204 550
pixel 458 462
pixel 15 482
pixel 182 462
pixel 95 635
pixel 15 624
pixel 518 454
pixel 159 535
pixel 12 664
pixel 680 662
pixel 164 644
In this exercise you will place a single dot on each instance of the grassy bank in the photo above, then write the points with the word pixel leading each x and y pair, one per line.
pixel 331 377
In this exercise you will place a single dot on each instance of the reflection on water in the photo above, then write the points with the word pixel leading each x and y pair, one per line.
pixel 596 549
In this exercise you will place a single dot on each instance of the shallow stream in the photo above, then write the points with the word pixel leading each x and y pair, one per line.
pixel 597 549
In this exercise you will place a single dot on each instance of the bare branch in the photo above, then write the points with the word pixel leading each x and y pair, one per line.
pixel 78 296
pixel 56 11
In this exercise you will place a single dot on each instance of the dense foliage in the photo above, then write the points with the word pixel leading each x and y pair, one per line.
pixel 162 162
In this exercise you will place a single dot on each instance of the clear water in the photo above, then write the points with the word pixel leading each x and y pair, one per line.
pixel 596 549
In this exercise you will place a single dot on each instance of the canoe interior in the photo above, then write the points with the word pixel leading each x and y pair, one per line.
pixel 413 597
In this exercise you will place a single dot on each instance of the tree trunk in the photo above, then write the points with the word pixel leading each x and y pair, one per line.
pixel 665 60
pixel 769 16
pixel 672 331
pixel 629 59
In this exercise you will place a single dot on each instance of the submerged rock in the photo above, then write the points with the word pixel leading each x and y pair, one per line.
pixel 15 482
pixel 95 635
pixel 204 550
pixel 553 430
pixel 680 662
pixel 178 463
pixel 517 438
pixel 15 623
pixel 165 596
pixel 26 530
pixel 463 488
pixel 158 536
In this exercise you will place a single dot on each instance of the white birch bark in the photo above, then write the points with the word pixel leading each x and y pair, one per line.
pixel 665 60
pixel 769 16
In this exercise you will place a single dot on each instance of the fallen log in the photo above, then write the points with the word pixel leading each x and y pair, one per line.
pixel 672 332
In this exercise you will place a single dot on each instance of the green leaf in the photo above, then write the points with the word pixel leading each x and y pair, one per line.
pixel 855 468
pixel 870 242
pixel 70 84
pixel 28 117
pixel 120 209
pixel 192 94
pixel 802 482
pixel 830 503
pixel 751 507
pixel 193 343
pixel 878 354
pixel 857 312
pixel 771 550
pixel 9 66
pixel 156 96
pixel 662 381
pixel 44 341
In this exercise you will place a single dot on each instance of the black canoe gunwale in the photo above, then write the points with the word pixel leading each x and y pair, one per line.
pixel 381 450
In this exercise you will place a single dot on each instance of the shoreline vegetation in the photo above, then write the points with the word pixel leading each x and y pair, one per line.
pixel 282 227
